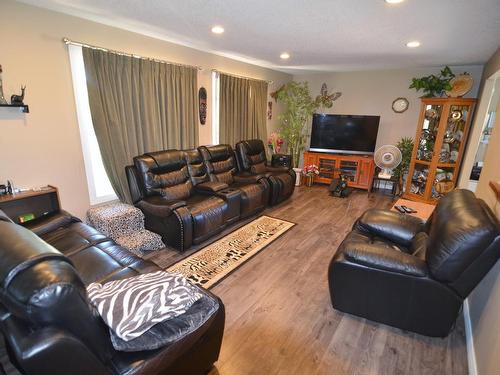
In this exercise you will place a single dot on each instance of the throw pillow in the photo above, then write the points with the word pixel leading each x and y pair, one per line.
pixel 132 306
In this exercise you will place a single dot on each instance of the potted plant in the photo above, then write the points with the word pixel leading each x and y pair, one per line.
pixel 405 145
pixel 433 85
pixel 309 171
pixel 296 119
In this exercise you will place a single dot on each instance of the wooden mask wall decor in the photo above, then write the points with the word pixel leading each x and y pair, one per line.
pixel 202 95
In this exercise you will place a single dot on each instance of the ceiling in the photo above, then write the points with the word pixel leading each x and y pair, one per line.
pixel 320 35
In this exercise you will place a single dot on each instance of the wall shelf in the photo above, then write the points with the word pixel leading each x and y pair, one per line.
pixel 24 107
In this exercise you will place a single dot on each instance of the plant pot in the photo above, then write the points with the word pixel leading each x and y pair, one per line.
pixel 298 173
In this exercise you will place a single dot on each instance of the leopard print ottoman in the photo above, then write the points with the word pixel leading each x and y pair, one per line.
pixel 124 224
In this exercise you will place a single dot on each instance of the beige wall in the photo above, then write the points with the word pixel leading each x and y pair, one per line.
pixel 43 147
pixel 484 302
pixel 372 93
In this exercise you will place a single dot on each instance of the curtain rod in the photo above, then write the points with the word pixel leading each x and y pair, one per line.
pixel 237 76
pixel 75 43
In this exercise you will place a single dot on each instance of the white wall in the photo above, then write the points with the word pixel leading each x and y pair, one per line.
pixel 484 301
pixel 43 147
pixel 372 93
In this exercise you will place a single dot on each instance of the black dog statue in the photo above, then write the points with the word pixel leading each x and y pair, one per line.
pixel 18 99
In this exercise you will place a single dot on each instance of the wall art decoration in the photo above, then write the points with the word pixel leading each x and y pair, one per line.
pixel 202 96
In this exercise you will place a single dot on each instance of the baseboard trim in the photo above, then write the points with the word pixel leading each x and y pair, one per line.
pixel 469 339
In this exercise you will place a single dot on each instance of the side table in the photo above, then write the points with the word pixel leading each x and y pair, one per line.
pixel 424 210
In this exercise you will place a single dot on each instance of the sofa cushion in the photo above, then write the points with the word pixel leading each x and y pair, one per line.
pixel 96 257
pixel 208 215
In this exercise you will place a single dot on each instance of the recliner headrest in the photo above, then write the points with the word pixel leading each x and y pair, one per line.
pixel 217 153
pixel 254 146
pixel 160 161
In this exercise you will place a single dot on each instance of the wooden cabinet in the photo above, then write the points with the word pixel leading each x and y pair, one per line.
pixel 358 168
pixel 30 204
pixel 442 131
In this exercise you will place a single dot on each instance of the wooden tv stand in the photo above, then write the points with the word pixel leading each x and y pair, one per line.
pixel 359 168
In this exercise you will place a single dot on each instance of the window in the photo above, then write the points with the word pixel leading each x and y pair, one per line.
pixel 215 107
pixel 100 189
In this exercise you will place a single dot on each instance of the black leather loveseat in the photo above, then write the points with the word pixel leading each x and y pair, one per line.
pixel 394 269
pixel 47 322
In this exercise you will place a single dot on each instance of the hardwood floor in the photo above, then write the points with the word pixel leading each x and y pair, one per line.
pixel 279 317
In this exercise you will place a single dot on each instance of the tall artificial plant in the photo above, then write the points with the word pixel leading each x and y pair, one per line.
pixel 405 145
pixel 295 120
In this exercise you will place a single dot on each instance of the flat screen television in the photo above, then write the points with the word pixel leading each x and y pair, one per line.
pixel 347 134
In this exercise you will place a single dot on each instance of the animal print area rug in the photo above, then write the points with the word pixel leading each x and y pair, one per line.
pixel 209 265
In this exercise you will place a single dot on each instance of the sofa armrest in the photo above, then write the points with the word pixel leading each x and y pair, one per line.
pixel 396 227
pixel 51 222
pixel 249 178
pixel 211 186
pixel 158 206
pixel 383 258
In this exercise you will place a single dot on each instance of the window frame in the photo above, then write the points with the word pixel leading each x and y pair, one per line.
pixel 92 158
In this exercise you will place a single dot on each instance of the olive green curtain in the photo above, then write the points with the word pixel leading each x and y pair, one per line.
pixel 139 106
pixel 242 109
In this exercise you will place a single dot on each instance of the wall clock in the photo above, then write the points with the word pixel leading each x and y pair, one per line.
pixel 400 105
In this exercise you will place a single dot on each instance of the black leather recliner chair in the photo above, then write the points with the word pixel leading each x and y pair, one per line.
pixel 47 322
pixel 252 159
pixel 183 208
pixel 221 166
pixel 394 269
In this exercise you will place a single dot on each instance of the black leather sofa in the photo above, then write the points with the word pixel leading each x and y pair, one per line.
pixel 394 269
pixel 189 196
pixel 46 320
pixel 251 155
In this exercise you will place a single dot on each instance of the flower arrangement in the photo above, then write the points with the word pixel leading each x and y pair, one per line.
pixel 310 170
pixel 274 142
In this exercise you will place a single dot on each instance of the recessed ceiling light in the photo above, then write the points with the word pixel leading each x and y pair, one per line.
pixel 217 29
pixel 285 56
pixel 394 1
pixel 413 44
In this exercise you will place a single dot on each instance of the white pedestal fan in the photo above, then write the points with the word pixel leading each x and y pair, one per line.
pixel 387 158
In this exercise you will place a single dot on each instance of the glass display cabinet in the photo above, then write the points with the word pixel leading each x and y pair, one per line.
pixel 440 140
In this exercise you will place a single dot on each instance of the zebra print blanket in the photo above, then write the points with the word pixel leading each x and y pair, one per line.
pixel 132 306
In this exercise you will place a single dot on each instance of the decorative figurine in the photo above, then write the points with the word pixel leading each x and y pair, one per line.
pixel 325 100
pixel 2 98
pixel 18 99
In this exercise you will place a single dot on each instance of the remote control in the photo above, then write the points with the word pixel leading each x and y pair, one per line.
pixel 400 209
pixel 409 210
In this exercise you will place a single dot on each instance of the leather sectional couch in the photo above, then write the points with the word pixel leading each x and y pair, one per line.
pixel 188 196
pixel 45 316
pixel 394 269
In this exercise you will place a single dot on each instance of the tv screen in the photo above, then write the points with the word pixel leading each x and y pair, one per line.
pixel 344 133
